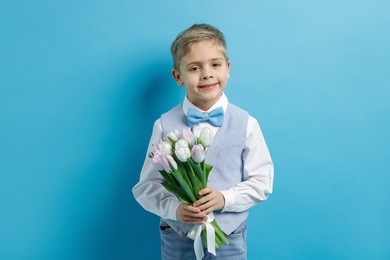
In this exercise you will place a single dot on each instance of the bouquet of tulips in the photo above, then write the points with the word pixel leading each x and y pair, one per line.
pixel 179 157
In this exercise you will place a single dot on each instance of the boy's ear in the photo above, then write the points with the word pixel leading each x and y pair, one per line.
pixel 177 77
pixel 228 68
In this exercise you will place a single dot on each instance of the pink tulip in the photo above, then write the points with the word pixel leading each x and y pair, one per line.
pixel 157 162
pixel 198 153
pixel 188 136
pixel 165 164
pixel 171 162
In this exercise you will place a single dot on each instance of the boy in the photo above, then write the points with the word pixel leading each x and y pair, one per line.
pixel 242 174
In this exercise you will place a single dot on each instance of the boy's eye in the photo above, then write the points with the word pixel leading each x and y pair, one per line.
pixel 194 68
pixel 216 64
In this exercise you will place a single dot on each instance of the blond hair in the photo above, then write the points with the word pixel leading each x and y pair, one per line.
pixel 196 33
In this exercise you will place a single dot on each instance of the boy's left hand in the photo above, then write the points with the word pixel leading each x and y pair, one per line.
pixel 212 200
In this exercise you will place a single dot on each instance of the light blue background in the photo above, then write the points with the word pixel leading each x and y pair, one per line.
pixel 83 81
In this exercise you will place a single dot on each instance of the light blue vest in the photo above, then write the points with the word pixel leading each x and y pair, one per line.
pixel 224 154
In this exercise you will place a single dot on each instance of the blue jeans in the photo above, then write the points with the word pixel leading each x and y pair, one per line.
pixel 177 247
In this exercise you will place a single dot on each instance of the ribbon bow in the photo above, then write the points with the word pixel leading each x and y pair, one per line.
pixel 214 117
pixel 195 234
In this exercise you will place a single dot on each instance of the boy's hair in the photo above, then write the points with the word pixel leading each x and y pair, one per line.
pixel 196 33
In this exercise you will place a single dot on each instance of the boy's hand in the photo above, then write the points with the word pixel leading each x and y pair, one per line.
pixel 188 214
pixel 213 200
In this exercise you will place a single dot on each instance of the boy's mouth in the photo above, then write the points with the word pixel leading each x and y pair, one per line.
pixel 208 86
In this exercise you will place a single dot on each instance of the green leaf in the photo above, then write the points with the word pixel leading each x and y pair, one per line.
pixel 169 178
pixel 219 233
pixel 184 185
pixel 184 174
pixel 177 192
pixel 196 183
pixel 199 172
pixel 207 169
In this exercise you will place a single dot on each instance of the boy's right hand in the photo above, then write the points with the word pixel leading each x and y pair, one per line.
pixel 189 214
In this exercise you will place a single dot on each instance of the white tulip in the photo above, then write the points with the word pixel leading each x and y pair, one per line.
pixel 166 148
pixel 196 130
pixel 182 151
pixel 173 136
pixel 206 137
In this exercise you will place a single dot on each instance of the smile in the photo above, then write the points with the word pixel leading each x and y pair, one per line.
pixel 208 86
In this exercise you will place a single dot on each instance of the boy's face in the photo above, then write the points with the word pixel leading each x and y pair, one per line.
pixel 205 72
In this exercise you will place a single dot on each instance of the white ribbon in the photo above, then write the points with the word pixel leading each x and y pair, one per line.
pixel 195 234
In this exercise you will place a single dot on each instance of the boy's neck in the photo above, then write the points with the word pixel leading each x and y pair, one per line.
pixel 205 107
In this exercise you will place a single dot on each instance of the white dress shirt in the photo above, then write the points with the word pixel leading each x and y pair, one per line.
pixel 258 172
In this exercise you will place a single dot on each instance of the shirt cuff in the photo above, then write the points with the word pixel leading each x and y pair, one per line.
pixel 172 209
pixel 230 200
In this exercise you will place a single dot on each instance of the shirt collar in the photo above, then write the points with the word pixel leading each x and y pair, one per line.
pixel 222 102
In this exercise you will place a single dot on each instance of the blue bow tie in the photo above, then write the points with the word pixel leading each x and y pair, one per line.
pixel 215 117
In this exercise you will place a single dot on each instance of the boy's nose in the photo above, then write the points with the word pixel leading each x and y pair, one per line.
pixel 207 73
pixel 207 76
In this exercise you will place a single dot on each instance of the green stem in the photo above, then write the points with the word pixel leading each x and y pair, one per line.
pixel 177 192
pixel 219 233
pixel 184 185
pixel 199 172
pixel 196 183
